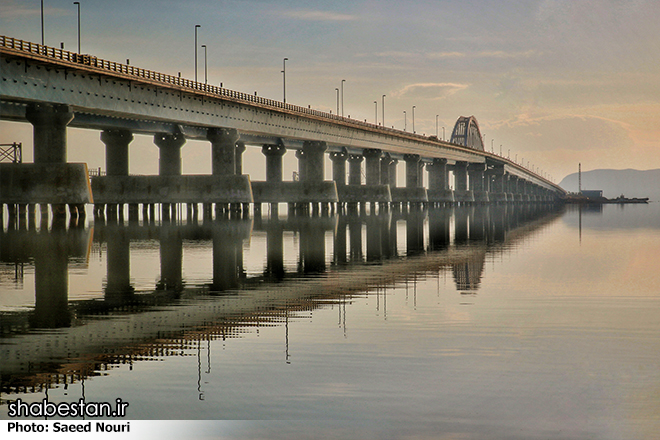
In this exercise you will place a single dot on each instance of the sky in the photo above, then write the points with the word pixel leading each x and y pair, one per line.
pixel 552 82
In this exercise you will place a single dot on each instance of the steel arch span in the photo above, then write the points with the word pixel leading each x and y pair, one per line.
pixel 466 132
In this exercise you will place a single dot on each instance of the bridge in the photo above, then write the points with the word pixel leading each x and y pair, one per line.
pixel 54 89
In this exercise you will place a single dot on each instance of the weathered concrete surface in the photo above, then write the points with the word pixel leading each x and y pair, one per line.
pixel 413 195
pixel 53 183
pixel 364 193
pixel 295 192
pixel 440 195
pixel 172 189
pixel 463 196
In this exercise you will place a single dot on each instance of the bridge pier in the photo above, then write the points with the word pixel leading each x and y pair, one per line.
pixel 169 164
pixel 477 182
pixel 274 155
pixel 339 171
pixel 439 192
pixel 116 156
pixel 413 194
pixel 372 169
pixel 49 123
pixel 461 193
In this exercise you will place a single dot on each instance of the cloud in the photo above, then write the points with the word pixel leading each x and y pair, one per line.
pixel 431 91
pixel 499 54
pixel 302 14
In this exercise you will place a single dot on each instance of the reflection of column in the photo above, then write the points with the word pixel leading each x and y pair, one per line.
pixel 339 167
pixel 374 240
pixel 498 222
pixel 225 256
pixel 461 225
pixel 223 150
pixel 312 246
pixel 340 241
pixel 171 258
pixel 478 223
pixel 372 165
pixel 355 169
pixel 118 286
pixel 439 220
pixel 415 232
pixel 355 236
pixel 51 281
pixel 275 250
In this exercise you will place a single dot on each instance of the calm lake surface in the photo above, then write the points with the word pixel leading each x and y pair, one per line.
pixel 459 323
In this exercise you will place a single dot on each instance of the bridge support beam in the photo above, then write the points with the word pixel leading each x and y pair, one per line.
pixel 223 150
pixel 461 193
pixel 116 159
pixel 274 153
pixel 497 192
pixel 372 165
pixel 355 169
pixel 439 192
pixel 49 122
pixel 169 163
pixel 477 185
pixel 314 156
pixel 339 167
pixel 412 170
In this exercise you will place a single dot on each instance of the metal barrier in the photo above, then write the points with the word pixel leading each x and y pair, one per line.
pixel 11 152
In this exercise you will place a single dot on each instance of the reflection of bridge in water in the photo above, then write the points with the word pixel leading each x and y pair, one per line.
pixel 127 325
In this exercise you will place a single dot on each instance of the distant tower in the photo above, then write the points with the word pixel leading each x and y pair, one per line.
pixel 579 178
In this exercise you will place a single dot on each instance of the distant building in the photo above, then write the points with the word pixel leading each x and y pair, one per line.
pixel 592 193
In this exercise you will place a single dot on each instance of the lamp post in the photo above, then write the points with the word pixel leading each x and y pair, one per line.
pixel 337 90
pixel 206 71
pixel 443 133
pixel 342 97
pixel 413 116
pixel 383 109
pixel 376 111
pixel 405 121
pixel 78 4
pixel 284 78
pixel 42 23
pixel 196 27
pixel 436 125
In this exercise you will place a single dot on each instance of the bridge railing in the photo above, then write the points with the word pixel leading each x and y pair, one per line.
pixel 126 69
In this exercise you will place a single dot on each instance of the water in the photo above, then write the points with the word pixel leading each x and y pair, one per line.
pixel 470 323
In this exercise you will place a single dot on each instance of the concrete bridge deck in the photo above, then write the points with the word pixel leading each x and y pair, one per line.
pixel 53 88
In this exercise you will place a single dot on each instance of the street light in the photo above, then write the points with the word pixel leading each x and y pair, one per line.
pixel 42 23
pixel 436 125
pixel 383 107
pixel 405 120
pixel 376 107
pixel 443 133
pixel 413 114
pixel 342 97
pixel 337 90
pixel 206 71
pixel 78 4
pixel 284 78
pixel 196 26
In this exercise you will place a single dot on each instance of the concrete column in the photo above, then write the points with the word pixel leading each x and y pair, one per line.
pixel 116 151
pixel 412 170
pixel 385 162
pixel 240 149
pixel 392 173
pixel 273 155
pixel 372 165
pixel 438 176
pixel 302 165
pixel 315 169
pixel 355 169
pixel 49 123
pixel 460 176
pixel 339 167
pixel 223 150
pixel 476 176
pixel 169 163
